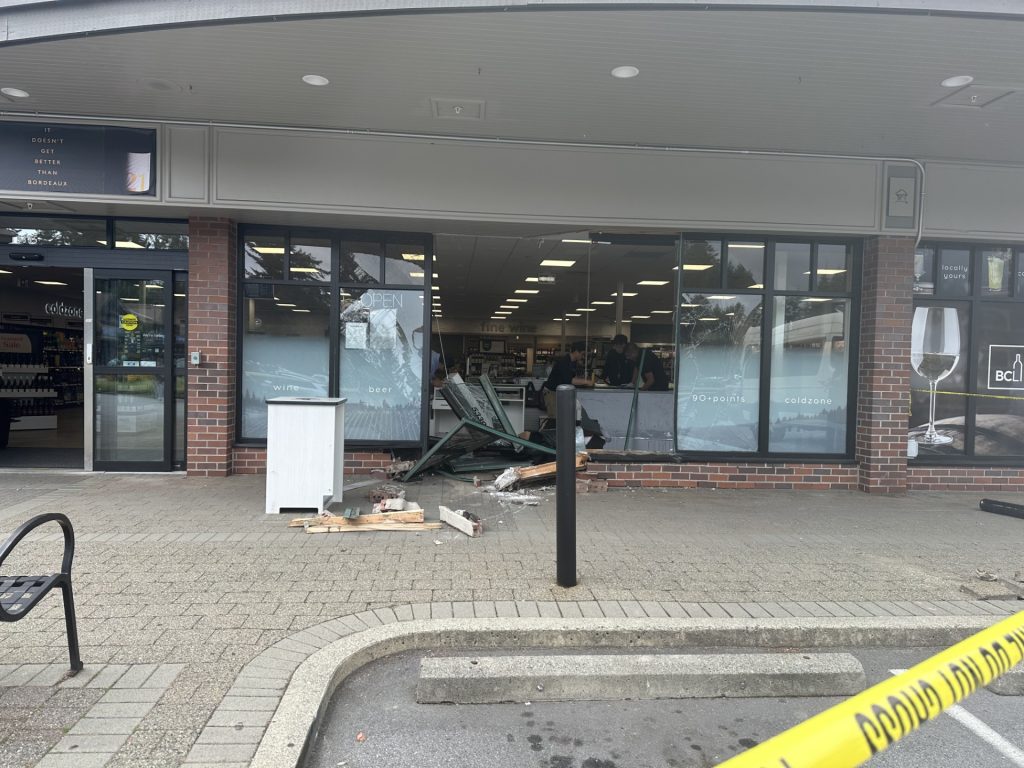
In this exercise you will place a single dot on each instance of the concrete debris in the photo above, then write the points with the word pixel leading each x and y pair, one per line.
pixel 516 475
pixel 463 521
pixel 985 575
pixel 514 497
pixel 386 492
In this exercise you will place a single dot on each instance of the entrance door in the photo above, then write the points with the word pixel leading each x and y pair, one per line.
pixel 134 386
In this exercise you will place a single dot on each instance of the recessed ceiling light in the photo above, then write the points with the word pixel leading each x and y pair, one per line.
pixel 153 285
pixel 179 295
pixel 585 309
pixel 412 256
pixel 573 314
pixel 527 290
pixel 640 317
pixel 304 269
pixel 493 317
pixel 627 293
pixel 510 306
pixel 653 282
pixel 281 304
pixel 517 301
pixel 51 282
pixel 661 311
pixel 689 306
pixel 269 250
pixel 576 241
pixel 756 246
pixel 417 274
pixel 603 303
pixel 14 93
pixel 558 319
pixel 696 267
pixel 627 321
pixel 708 319
pixel 957 81
pixel 502 312
pixel 721 298
pixel 557 263
pixel 813 300
pixel 125 244
pixel 533 279
pixel 124 298
pixel 315 80
pixel 5 272
pixel 435 287
pixel 625 73
pixel 302 310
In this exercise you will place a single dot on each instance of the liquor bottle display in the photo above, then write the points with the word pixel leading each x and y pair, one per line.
pixel 45 374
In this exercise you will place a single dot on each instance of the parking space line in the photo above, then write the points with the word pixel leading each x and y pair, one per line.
pixel 982 731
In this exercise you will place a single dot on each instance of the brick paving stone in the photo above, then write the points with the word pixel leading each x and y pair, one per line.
pixel 853 608
pixel 611 609
pixel 735 610
pixel 107 676
pixel 484 609
pixel 527 608
pixel 548 610
pixel 74 760
pixel 695 610
pixel 794 609
pixel 105 725
pixel 83 743
pixel 136 676
pixel 221 752
pixel 715 610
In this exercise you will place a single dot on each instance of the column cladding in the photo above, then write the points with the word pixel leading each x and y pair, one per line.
pixel 212 297
pixel 883 385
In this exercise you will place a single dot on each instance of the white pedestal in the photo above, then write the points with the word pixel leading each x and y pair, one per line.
pixel 305 452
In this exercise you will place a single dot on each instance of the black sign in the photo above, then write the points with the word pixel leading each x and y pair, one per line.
pixel 79 159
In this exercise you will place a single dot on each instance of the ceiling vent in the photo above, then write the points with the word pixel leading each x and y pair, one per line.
pixel 458 109
pixel 976 96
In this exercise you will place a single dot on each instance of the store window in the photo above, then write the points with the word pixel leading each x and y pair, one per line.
pixel 53 231
pixel 764 362
pixel 325 314
pixel 151 235
pixel 967 354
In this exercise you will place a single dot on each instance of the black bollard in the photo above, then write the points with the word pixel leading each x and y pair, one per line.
pixel 565 485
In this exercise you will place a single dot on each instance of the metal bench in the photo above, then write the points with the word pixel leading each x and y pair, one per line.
pixel 20 594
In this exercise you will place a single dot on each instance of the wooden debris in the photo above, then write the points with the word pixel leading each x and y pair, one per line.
pixel 433 526
pixel 463 521
pixel 515 475
pixel 405 516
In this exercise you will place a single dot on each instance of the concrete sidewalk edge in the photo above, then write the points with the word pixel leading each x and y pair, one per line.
pixel 292 683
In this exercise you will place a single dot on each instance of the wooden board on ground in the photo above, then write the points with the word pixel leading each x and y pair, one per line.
pixel 433 526
pixel 405 516
pixel 469 527
pixel 547 470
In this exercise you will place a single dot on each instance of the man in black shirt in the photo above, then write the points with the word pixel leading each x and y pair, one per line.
pixel 564 372
pixel 652 373
pixel 617 369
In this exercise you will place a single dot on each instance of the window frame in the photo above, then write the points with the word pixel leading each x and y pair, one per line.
pixel 972 299
pixel 768 293
pixel 335 285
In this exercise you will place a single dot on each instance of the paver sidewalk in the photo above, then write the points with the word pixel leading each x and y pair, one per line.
pixel 189 575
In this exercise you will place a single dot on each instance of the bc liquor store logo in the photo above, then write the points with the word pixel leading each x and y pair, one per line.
pixel 1005 366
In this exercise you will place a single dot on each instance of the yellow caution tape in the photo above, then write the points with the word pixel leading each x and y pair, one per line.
pixel 970 394
pixel 852 732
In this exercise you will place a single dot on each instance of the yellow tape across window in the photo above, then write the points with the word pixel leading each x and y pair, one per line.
pixel 850 733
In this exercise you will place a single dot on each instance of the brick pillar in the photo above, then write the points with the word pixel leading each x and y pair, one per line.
pixel 212 291
pixel 883 387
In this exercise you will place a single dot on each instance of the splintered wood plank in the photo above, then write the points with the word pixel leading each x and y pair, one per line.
pixel 408 516
pixel 432 526
pixel 457 521
pixel 549 469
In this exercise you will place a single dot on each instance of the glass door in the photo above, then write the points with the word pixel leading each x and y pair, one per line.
pixel 133 371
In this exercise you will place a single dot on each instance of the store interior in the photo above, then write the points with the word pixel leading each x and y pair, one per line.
pixel 41 383
pixel 508 307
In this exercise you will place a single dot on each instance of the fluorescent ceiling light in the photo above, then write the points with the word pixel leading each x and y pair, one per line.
pixel 603 303
pixel 417 274
pixel 653 282
pixel 123 298
pixel 318 80
pixel 533 279
pixel 15 93
pixel 625 72
pixel 510 306
pixel 729 314
pixel 435 287
pixel 569 240
pixel 585 309
pixel 502 313
pixel 813 300
pixel 757 246
pixel 721 298
pixel 831 271
pixel 557 263
pixel 527 290
pixel 689 306
pixel 957 81
pixel 627 293
pixel 159 305
pixel 153 285
pixel 756 285
pixel 661 311
pixel 302 310
pixel 639 317
pixel 573 314
pixel 436 275
pixel 269 250
pixel 559 319
pixel 5 272
pixel 498 318
pixel 126 244
pixel 412 256
pixel 303 269
pixel 180 295
pixel 627 321
pixel 517 301
pixel 282 304
pixel 346 295
pixel 52 282
pixel 696 267
pixel 708 319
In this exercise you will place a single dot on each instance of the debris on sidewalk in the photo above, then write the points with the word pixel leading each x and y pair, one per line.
pixel 588 482
pixel 387 515
pixel 387 491
pixel 516 497
pixel 991 586
pixel 516 475
pixel 1002 508
pixel 462 520
pixel 395 469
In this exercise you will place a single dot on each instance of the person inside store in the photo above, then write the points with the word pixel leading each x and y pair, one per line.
pixel 443 370
pixel 652 373
pixel 618 370
pixel 565 371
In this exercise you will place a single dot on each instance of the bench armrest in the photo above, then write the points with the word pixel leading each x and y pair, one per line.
pixel 29 525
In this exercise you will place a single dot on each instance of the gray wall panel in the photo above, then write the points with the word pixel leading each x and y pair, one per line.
pixel 599 187
pixel 185 164
pixel 971 201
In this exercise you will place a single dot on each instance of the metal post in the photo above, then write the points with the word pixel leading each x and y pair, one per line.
pixel 565 485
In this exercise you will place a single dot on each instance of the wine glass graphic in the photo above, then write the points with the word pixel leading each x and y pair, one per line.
pixel 934 353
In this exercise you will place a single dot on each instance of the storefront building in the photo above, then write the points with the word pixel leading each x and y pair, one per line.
pixel 826 258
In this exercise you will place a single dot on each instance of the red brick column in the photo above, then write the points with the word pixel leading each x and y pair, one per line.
pixel 212 291
pixel 883 387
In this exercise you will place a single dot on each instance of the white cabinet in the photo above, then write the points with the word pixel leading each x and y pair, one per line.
pixel 305 452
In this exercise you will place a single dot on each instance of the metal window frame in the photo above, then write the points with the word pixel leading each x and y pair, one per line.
pixel 337 238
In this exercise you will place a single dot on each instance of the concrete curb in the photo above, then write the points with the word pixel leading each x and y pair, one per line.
pixel 318 671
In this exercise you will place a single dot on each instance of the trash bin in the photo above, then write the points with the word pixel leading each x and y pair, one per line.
pixel 305 452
